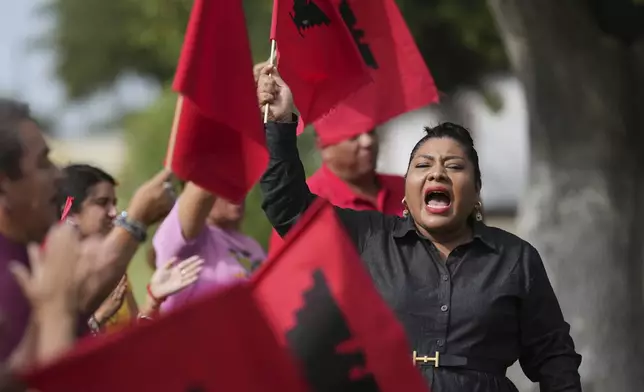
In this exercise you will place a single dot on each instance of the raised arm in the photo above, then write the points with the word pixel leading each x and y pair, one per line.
pixel 150 203
pixel 283 185
pixel 194 206
pixel 179 233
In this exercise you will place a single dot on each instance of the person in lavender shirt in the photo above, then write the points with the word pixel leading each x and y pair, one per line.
pixel 208 226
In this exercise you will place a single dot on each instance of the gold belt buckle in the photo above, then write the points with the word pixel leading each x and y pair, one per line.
pixel 425 359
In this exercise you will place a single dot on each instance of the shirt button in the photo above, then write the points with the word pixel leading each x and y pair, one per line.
pixel 445 278
pixel 444 308
pixel 440 342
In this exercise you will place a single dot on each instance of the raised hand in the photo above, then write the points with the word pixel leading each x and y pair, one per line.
pixel 153 200
pixel 175 276
pixel 46 284
pixel 53 295
pixel 257 69
pixel 272 90
pixel 112 303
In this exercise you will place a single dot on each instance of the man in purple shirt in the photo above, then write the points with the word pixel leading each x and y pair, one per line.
pixel 29 184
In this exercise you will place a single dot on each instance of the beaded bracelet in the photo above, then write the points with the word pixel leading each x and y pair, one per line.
pixel 157 300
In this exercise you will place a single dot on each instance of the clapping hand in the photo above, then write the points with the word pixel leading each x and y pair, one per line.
pixel 53 296
pixel 46 282
pixel 113 303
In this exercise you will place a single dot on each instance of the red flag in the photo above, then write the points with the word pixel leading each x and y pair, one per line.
pixel 68 206
pixel 401 80
pixel 218 138
pixel 221 343
pixel 320 298
pixel 63 216
pixel 317 56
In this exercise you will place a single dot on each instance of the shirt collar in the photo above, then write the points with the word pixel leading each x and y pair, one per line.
pixel 404 226
pixel 344 192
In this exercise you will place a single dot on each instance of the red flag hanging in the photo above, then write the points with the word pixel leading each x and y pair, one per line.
pixel 218 138
pixel 401 80
pixel 321 300
pixel 317 56
pixel 221 343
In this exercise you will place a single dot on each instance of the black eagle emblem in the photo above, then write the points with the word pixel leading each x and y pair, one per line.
pixel 306 14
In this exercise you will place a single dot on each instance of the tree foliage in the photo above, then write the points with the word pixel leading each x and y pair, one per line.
pixel 96 41
pixel 457 38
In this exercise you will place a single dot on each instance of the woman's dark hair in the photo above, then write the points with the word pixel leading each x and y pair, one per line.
pixel 457 133
pixel 78 180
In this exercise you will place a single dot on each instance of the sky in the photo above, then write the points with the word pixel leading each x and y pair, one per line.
pixel 27 73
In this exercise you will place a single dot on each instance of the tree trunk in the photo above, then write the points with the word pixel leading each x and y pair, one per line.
pixel 452 109
pixel 584 207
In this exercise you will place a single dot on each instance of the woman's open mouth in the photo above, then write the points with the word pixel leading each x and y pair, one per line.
pixel 438 200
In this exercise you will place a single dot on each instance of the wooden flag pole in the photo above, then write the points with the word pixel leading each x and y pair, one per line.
pixel 272 62
pixel 173 134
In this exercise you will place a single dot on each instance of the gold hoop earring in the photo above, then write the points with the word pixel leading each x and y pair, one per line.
pixel 478 216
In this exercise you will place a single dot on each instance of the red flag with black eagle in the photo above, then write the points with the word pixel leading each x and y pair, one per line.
pixel 401 79
pixel 317 56
pixel 218 137
pixel 323 304
pixel 219 343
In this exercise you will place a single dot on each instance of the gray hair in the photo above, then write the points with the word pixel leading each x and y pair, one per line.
pixel 12 114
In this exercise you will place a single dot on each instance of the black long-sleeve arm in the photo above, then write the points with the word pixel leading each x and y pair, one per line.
pixel 548 353
pixel 283 185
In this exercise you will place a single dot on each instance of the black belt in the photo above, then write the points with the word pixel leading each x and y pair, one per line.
pixel 448 360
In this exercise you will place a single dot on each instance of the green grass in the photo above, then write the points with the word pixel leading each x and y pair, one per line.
pixel 139 274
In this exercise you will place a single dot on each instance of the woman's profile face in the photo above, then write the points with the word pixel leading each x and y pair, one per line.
pixel 440 188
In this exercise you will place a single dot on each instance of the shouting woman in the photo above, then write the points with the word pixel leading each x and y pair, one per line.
pixel 473 299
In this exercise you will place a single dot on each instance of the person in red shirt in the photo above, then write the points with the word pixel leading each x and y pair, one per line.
pixel 348 179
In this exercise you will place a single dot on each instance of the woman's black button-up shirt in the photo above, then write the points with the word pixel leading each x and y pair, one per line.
pixel 490 301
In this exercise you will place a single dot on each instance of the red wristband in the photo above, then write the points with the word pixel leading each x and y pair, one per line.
pixel 157 300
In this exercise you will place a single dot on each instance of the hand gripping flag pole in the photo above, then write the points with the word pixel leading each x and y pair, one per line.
pixel 272 62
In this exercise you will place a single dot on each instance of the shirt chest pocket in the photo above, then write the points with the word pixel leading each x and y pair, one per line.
pixel 415 289
pixel 418 300
pixel 419 309
pixel 223 272
pixel 494 304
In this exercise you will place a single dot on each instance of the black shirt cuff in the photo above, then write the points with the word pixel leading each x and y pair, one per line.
pixel 281 138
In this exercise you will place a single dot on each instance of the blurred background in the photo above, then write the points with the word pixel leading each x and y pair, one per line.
pixel 97 73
